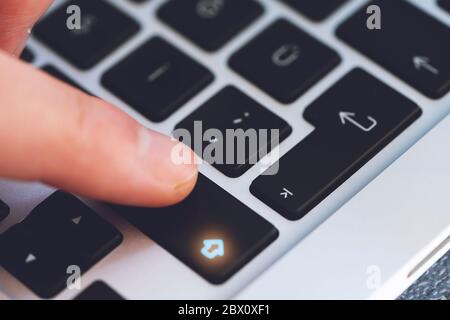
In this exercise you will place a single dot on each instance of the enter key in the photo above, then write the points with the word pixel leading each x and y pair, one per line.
pixel 354 120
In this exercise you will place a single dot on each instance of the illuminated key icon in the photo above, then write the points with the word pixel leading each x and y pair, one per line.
pixel 213 248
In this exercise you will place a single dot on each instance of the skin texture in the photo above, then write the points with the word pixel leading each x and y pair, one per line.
pixel 53 133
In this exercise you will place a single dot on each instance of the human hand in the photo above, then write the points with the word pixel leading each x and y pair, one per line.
pixel 53 133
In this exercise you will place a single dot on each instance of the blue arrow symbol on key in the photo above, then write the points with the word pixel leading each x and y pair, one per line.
pixel 213 248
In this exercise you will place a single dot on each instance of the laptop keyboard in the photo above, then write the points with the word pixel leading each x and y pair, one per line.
pixel 104 28
pixel 157 79
pixel 209 24
pixel 218 224
pixel 232 109
pixel 209 231
pixel 60 233
pixel 374 115
pixel 313 9
pixel 99 291
pixel 416 57
pixel 284 61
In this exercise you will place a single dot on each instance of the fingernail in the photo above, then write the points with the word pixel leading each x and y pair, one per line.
pixel 159 150
pixel 185 187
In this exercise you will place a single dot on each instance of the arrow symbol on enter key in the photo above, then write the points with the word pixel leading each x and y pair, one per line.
pixel 349 117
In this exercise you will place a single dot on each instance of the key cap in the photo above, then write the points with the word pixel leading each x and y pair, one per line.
pixel 231 109
pixel 354 120
pixel 35 264
pixel 157 79
pixel 209 231
pixel 209 23
pixel 103 29
pixel 51 70
pixel 284 61
pixel 78 225
pixel 313 9
pixel 4 210
pixel 27 55
pixel 445 4
pixel 414 56
pixel 59 234
pixel 99 291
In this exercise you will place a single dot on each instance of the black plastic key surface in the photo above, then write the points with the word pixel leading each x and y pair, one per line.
pixel 354 120
pixel 4 210
pixel 231 109
pixel 411 44
pixel 59 233
pixel 284 61
pixel 157 79
pixel 99 291
pixel 103 29
pixel 211 231
pixel 445 4
pixel 209 23
pixel 314 9
pixel 27 55
pixel 34 263
pixel 53 71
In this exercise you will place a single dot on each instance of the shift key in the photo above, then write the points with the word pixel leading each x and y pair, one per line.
pixel 211 232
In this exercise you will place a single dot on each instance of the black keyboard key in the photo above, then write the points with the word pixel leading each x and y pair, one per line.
pixel 51 70
pixel 103 29
pixel 75 224
pixel 99 291
pixel 419 46
pixel 35 264
pixel 138 1
pixel 313 9
pixel 211 231
pixel 4 210
pixel 60 232
pixel 209 23
pixel 27 55
pixel 157 79
pixel 231 109
pixel 354 120
pixel 284 61
pixel 445 4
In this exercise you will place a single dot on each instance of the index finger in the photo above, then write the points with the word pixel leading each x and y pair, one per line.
pixel 16 19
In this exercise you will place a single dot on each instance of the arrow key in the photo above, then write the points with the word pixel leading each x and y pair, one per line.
pixel 419 46
pixel 60 232
pixel 33 263
pixel 75 225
